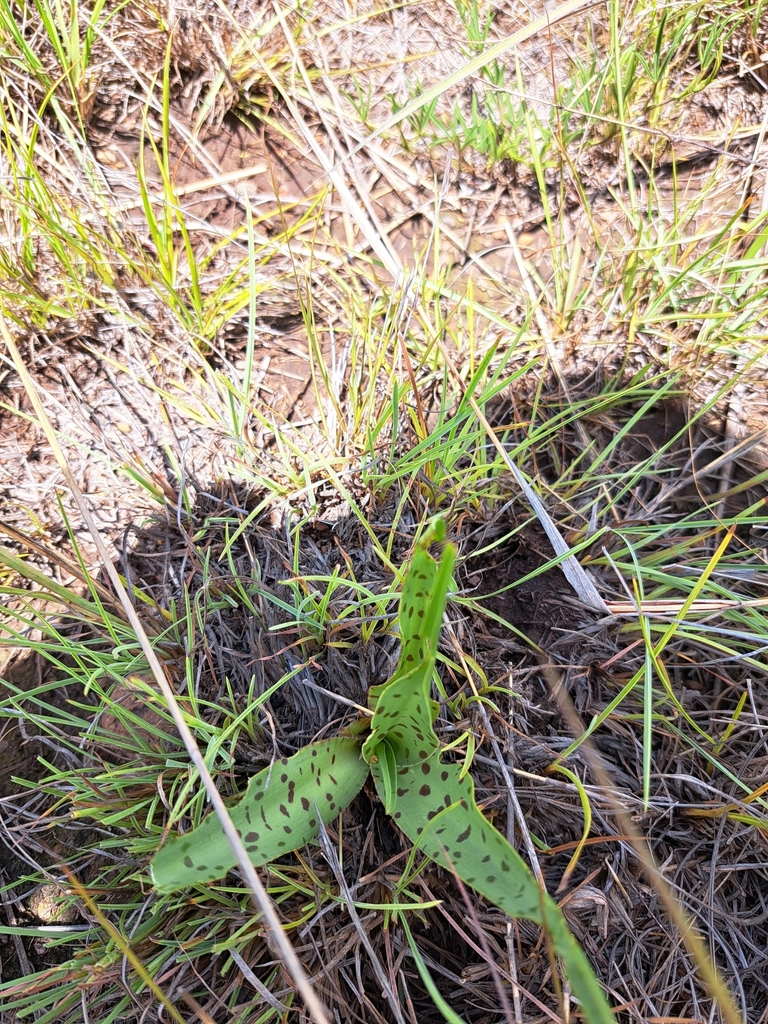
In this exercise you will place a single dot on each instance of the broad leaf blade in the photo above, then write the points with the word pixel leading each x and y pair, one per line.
pixel 275 816
pixel 403 719
pixel 436 809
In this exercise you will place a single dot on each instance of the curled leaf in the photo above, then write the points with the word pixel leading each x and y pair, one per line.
pixel 404 719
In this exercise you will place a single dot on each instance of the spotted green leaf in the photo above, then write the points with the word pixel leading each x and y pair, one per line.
pixel 432 801
pixel 404 718
pixel 436 809
pixel 277 814
pixel 434 804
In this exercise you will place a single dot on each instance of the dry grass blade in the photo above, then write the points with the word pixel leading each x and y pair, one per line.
pixel 378 243
pixel 686 928
pixel 492 53
pixel 124 945
pixel 572 568
pixel 381 974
